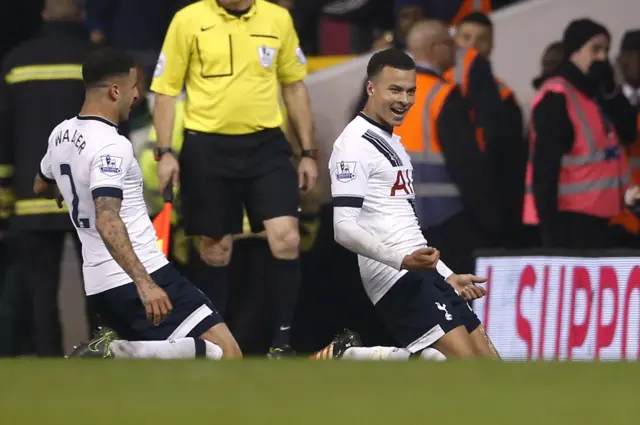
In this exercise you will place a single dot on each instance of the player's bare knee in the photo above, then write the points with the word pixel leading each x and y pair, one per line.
pixel 285 243
pixel 456 344
pixel 482 345
pixel 231 351
pixel 216 252
pixel 221 336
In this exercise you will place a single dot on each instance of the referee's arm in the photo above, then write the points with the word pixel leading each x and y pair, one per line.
pixel 292 70
pixel 168 81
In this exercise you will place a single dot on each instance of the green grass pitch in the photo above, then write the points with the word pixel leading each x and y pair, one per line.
pixel 302 392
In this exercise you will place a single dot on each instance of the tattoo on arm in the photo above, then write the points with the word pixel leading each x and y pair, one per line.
pixel 116 239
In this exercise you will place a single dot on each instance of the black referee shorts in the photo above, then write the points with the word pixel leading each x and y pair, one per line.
pixel 221 174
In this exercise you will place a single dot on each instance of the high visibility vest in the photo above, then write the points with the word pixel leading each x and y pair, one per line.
pixel 437 197
pixel 459 75
pixel 594 174
pixel 626 218
pixel 505 90
pixel 469 6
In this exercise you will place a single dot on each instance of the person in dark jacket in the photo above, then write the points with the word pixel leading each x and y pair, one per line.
pixel 461 212
pixel 476 31
pixel 586 68
pixel 41 85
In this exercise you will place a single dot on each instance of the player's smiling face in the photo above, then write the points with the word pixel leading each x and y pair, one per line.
pixel 394 91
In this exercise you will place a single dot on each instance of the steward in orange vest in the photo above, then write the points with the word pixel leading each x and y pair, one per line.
pixel 630 70
pixel 454 193
pixel 453 11
pixel 577 174
pixel 627 219
pixel 475 31
pixel 470 6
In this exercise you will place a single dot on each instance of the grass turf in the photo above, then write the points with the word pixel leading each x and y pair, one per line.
pixel 307 393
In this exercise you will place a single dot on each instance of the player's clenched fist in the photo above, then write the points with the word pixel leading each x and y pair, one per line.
pixel 156 302
pixel 421 259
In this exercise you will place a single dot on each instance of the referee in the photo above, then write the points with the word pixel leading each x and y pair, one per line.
pixel 233 55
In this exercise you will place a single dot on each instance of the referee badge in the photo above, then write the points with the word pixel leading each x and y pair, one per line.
pixel 266 55
pixel 300 55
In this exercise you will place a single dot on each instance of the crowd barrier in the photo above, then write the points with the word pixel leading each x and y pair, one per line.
pixel 561 305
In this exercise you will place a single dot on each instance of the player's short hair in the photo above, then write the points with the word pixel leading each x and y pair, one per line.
pixel 477 18
pixel 393 58
pixel 105 63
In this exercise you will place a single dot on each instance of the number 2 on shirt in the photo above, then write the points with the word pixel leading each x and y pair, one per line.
pixel 82 223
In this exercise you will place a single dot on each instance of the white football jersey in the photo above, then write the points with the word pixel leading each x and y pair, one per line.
pixel 87 158
pixel 372 181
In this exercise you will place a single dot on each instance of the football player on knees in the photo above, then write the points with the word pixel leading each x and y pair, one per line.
pixel 127 279
pixel 418 297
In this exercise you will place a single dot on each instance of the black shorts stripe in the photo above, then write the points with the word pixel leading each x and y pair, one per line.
pixel 383 147
pixel 107 192
pixel 348 201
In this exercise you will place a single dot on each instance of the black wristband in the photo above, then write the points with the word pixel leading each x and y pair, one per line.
pixel 310 153
pixel 159 152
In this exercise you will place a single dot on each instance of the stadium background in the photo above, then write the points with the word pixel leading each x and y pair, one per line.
pixel 523 307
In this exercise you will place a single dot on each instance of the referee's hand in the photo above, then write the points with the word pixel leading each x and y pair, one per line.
pixel 307 174
pixel 168 171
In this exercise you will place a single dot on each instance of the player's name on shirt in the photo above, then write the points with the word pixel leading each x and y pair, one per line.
pixel 77 139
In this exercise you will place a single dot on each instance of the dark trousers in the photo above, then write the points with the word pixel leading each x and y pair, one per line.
pixel 29 319
pixel 456 239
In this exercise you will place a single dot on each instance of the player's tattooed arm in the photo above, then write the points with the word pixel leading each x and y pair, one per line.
pixel 116 238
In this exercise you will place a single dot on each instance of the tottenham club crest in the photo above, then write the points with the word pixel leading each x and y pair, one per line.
pixel 110 165
pixel 266 55
pixel 345 171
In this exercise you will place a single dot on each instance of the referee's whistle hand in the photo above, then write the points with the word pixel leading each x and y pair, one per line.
pixel 307 174
pixel 421 259
pixel 168 171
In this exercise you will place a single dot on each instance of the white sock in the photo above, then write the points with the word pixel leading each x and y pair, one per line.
pixel 376 353
pixel 183 348
pixel 432 354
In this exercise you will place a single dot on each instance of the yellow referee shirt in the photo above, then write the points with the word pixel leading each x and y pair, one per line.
pixel 232 66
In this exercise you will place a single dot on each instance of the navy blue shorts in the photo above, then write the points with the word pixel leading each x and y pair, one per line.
pixel 422 307
pixel 121 309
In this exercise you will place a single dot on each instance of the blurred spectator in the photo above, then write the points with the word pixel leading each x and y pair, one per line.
pixel 456 201
pixel 367 17
pixel 551 59
pixel 576 178
pixel 407 13
pixel 476 31
pixel 472 73
pixel 629 66
pixel 234 152
pixel 41 86
pixel 629 63
pixel 135 26
pixel 19 21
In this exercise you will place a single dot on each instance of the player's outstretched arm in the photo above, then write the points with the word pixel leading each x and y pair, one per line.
pixel 116 238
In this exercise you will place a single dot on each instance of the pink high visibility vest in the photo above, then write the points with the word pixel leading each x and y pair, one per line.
pixel 594 174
